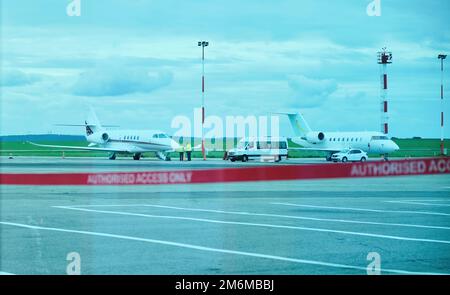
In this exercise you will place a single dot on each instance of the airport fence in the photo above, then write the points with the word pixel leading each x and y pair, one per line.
pixel 426 166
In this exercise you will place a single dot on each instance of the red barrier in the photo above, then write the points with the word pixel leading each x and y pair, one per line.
pixel 264 173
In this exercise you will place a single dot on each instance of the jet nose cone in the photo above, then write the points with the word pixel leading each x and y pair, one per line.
pixel 394 146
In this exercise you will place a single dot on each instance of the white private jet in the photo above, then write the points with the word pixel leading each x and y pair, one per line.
pixel 333 142
pixel 115 142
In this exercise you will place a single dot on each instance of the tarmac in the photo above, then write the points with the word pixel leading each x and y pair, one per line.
pixel 284 227
pixel 58 164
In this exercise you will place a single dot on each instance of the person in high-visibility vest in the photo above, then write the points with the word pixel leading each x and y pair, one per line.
pixel 181 151
pixel 188 151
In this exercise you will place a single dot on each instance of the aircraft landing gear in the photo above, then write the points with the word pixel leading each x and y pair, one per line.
pixel 162 156
pixel 328 158
pixel 385 157
pixel 137 156
pixel 112 156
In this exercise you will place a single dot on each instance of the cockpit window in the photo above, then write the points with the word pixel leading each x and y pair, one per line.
pixel 380 138
pixel 160 135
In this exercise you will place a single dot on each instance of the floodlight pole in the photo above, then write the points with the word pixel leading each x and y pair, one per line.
pixel 203 44
pixel 442 57
pixel 384 58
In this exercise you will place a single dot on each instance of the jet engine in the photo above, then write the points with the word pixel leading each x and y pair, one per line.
pixel 99 137
pixel 315 137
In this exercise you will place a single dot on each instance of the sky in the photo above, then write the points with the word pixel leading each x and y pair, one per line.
pixel 138 64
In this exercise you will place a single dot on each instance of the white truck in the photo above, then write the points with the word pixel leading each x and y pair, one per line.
pixel 264 148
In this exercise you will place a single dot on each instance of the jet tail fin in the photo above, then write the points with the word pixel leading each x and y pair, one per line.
pixel 92 123
pixel 298 124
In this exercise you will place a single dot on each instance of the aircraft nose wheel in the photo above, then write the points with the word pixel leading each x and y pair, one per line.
pixel 112 156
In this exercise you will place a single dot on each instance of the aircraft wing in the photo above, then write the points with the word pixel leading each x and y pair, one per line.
pixel 314 149
pixel 79 148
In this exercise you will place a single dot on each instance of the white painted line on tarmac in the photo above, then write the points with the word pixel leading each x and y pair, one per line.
pixel 270 215
pixel 261 225
pixel 363 209
pixel 418 203
pixel 217 250
pixel 3 273
pixel 423 200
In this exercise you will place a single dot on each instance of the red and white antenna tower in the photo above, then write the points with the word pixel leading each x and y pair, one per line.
pixel 442 57
pixel 384 58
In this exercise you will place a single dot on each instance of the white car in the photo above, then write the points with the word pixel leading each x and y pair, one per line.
pixel 352 155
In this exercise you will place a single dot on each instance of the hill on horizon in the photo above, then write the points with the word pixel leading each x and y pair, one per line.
pixel 41 137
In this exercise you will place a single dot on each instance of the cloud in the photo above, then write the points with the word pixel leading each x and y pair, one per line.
pixel 309 93
pixel 9 78
pixel 120 80
pixel 254 51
